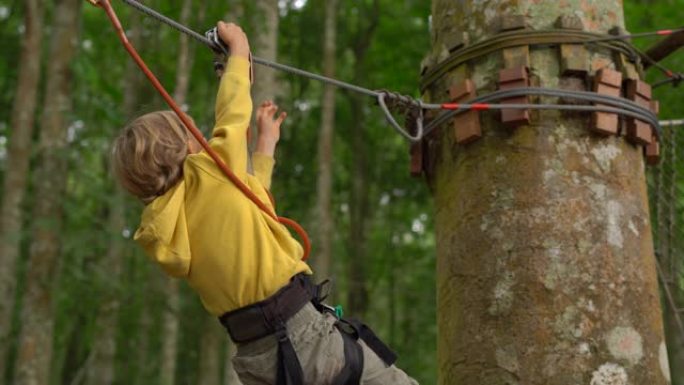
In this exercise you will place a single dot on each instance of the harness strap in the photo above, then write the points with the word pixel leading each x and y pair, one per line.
pixel 353 362
pixel 373 342
pixel 289 369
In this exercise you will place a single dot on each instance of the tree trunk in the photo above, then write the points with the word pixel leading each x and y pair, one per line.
pixel 35 345
pixel 16 172
pixel 675 336
pixel 171 290
pixel 264 43
pixel 212 338
pixel 545 267
pixel 230 377
pixel 145 362
pixel 323 259
pixel 357 292
pixel 359 202
pixel 669 247
pixel 100 368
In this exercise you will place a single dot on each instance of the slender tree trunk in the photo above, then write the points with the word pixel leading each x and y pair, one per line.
pixel 212 338
pixel 264 44
pixel 670 249
pixel 170 336
pixel 185 56
pixel 358 214
pixel 16 173
pixel 171 319
pixel 145 367
pixel 323 259
pixel 545 268
pixel 35 349
pixel 230 377
pixel 359 202
pixel 675 337
pixel 100 368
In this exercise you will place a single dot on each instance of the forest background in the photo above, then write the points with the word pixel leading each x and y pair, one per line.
pixel 68 262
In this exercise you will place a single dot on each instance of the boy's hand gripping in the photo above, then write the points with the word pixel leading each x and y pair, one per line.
pixel 268 127
pixel 229 39
pixel 235 38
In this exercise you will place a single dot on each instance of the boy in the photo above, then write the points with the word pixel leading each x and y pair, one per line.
pixel 245 266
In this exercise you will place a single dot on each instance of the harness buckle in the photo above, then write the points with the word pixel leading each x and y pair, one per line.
pixel 322 290
pixel 281 335
pixel 329 309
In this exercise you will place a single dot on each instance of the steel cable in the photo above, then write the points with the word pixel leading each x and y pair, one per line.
pixel 615 105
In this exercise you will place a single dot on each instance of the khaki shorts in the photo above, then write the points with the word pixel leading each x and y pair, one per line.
pixel 320 350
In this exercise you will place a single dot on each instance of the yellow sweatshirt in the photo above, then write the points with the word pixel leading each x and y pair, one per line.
pixel 207 231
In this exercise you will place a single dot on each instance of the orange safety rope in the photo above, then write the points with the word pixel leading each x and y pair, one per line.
pixel 306 242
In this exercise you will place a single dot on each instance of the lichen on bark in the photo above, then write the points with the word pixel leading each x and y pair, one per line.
pixel 545 269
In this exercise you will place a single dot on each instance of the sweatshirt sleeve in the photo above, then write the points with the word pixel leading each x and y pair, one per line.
pixel 233 113
pixel 263 168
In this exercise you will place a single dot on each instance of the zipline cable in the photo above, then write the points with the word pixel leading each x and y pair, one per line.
pixel 384 98
pixel 670 123
pixel 662 32
pixel 206 41
pixel 362 90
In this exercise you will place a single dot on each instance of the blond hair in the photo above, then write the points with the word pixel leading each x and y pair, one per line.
pixel 148 155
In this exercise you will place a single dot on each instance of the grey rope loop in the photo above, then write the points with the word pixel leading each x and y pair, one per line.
pixel 615 105
pixel 388 115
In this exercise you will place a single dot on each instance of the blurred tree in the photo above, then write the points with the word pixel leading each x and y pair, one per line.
pixel 37 317
pixel 100 365
pixel 324 221
pixel 16 176
pixel 264 20
pixel 211 340
pixel 359 217
pixel 170 320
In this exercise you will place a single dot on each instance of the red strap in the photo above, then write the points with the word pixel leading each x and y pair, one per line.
pixel 105 4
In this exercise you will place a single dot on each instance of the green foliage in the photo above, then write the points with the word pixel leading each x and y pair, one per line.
pixel 400 262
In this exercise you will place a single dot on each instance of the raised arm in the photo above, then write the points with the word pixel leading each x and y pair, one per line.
pixel 269 135
pixel 233 102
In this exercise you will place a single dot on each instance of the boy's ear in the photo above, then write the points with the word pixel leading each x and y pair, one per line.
pixel 193 146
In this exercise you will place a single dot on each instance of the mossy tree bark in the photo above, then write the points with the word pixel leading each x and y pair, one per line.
pixel 546 271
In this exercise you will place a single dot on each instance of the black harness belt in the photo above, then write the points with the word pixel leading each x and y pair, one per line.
pixel 269 317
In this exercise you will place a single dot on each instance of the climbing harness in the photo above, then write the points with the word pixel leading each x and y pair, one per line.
pixel 269 318
pixel 105 4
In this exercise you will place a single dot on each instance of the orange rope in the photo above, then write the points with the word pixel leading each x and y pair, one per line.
pixel 306 243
